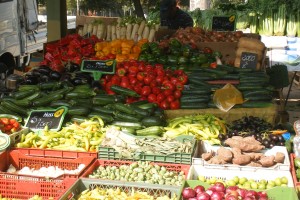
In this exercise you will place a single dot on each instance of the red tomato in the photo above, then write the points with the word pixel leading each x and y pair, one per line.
pixel 174 105
pixel 156 90
pixel 126 65
pixel 160 72
pixel 160 97
pixel 168 92
pixel 137 88
pixel 121 71
pixel 153 84
pixel 140 76
pixel 141 67
pixel 146 90
pixel 179 86
pixel 115 80
pixel 133 70
pixel 148 80
pixel 213 65
pixel 170 98
pixel 177 94
pixel 174 80
pixel 183 79
pixel 148 68
pixel 5 121
pixel 159 79
pixel 108 77
pixel 8 127
pixel 164 105
pixel 133 81
pixel 168 85
pixel 124 84
pixel 152 98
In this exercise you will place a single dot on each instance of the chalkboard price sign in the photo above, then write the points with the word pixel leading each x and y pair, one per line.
pixel 248 60
pixel 39 119
pixel 98 67
pixel 223 23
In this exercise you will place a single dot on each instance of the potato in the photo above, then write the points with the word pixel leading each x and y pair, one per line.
pixel 225 154
pixel 207 156
pixel 241 160
pixel 267 161
pixel 279 157
pixel 216 160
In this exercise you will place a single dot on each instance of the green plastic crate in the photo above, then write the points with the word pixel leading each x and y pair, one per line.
pixel 276 193
pixel 155 190
pixel 109 153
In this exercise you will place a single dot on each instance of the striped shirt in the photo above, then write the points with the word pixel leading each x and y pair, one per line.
pixel 180 20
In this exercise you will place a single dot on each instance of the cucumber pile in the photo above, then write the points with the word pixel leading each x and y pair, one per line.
pixel 254 85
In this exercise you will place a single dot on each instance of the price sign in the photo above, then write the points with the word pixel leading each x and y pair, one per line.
pixel 223 23
pixel 98 67
pixel 248 60
pixel 39 119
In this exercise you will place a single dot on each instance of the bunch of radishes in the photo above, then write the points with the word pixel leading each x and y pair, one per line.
pixel 219 192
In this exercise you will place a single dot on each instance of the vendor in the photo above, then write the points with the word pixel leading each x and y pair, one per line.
pixel 172 16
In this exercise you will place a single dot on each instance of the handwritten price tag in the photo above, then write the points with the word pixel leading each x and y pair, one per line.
pixel 248 60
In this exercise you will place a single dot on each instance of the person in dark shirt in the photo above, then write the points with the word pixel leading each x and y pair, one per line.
pixel 172 16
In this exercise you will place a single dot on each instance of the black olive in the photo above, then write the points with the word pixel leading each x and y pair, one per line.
pixel 54 75
pixel 72 67
pixel 259 139
pixel 281 144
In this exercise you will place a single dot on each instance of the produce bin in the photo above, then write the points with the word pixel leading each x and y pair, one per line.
pixel 277 193
pixel 205 147
pixel 293 170
pixel 15 187
pixel 109 153
pixel 19 161
pixel 15 137
pixel 224 174
pixel 154 190
pixel 171 167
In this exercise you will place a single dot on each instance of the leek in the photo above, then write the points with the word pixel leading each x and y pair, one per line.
pixel 280 20
pixel 266 23
pixel 291 29
pixel 253 22
pixel 298 24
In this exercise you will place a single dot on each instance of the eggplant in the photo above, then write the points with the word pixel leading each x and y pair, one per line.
pixel 79 81
pixel 44 78
pixel 44 69
pixel 72 67
pixel 31 79
pixel 54 75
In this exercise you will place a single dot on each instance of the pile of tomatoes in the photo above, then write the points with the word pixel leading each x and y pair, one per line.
pixel 9 125
pixel 151 82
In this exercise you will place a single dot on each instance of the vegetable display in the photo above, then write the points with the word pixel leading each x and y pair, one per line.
pixel 9 124
pixel 140 172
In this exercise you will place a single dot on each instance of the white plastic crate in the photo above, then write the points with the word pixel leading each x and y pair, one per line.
pixel 198 170
pixel 205 147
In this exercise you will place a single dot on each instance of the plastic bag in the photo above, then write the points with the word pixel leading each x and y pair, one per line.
pixel 226 97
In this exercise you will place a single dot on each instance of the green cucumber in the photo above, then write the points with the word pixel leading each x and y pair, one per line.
pixel 4 110
pixel 261 92
pixel 249 87
pixel 199 82
pixel 61 102
pixel 219 72
pixel 124 91
pixel 53 85
pixel 22 102
pixel 194 98
pixel 78 119
pixel 78 110
pixel 34 96
pixel 230 77
pixel 227 68
pixel 185 105
pixel 28 87
pixel 128 130
pixel 259 98
pixel 104 99
pixel 243 70
pixel 139 102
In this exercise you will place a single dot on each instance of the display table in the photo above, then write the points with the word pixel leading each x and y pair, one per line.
pixel 268 113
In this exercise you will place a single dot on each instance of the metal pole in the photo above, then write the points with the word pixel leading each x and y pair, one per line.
pixel 77 7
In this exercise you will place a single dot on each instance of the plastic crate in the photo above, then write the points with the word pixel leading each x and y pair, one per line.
pixel 205 147
pixel 171 167
pixel 109 153
pixel 19 160
pixel 16 187
pixel 15 137
pixel 155 190
pixel 197 170
pixel 293 170
pixel 277 193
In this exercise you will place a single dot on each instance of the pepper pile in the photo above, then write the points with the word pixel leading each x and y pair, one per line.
pixel 151 82
pixel 9 125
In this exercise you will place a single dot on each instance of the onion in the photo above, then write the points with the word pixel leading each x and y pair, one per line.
pixel 188 193
pixel 203 196
pixel 231 188
pixel 199 188
pixel 216 196
pixel 219 187
pixel 210 191
pixel 231 197
pixel 249 198
pixel 242 192
pixel 262 194
pixel 251 193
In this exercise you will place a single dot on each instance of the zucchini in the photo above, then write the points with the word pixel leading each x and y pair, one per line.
pixel 104 99
pixel 80 102
pixel 22 102
pixel 139 111
pixel 78 119
pixel 15 108
pixel 244 86
pixel 126 117
pixel 203 74
pixel 104 116
pixel 259 98
pixel 134 125
pixel 4 110
pixel 230 77
pixel 124 91
pixel 261 92
pixel 23 94
pixel 152 130
pixel 148 106
pixel 153 121
pixel 125 108
pixel 128 130
pixel 34 96
pixel 227 68
pixel 28 87
pixel 46 100
pixel 61 102
pixel 243 70
pixel 77 110
pixel 187 105
pixel 194 98
pixel 256 104
pixel 102 109
pixel 53 85
pixel 139 102
pixel 82 95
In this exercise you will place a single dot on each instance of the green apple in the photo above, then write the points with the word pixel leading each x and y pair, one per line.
pixel 263 181
pixel 283 185
pixel 242 180
pixel 254 185
pixel 261 186
pixel 201 178
pixel 284 180
pixel 269 186
pixel 231 183
pixel 247 185
pixel 272 183
pixel 277 181
pixel 212 180
pixel 236 179
pixel 251 180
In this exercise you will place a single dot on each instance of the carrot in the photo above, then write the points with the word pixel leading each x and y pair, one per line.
pixel 128 31
pixel 146 32
pixel 151 34
pixel 134 31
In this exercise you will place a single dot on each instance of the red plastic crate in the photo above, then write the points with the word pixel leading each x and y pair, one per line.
pixel 293 170
pixel 16 187
pixel 104 163
pixel 56 153
pixel 19 160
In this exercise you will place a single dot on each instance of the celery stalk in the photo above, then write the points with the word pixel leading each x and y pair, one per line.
pixel 291 29
pixel 280 20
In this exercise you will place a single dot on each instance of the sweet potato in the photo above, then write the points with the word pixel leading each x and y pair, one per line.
pixel 255 156
pixel 216 160
pixel 236 151
pixel 244 144
pixel 207 156
pixel 241 160
pixel 267 161
pixel 225 154
pixel 279 157
pixel 254 164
